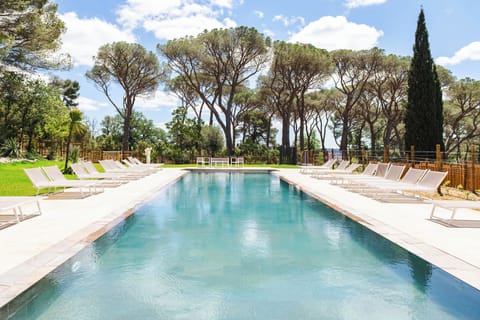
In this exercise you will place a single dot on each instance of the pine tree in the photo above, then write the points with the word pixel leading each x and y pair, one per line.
pixel 424 112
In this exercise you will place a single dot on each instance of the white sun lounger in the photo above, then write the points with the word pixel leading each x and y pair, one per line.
pixel 40 181
pixel 103 180
pixel 56 176
pixel 326 166
pixel 452 206
pixel 17 205
pixel 330 174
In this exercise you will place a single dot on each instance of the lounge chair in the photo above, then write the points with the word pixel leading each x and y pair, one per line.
pixel 328 165
pixel 203 161
pixel 329 174
pixel 107 175
pixel 134 160
pixel 130 164
pixel 237 161
pixel 16 205
pixel 383 171
pixel 387 192
pixel 106 179
pixel 452 206
pixel 111 166
pixel 41 181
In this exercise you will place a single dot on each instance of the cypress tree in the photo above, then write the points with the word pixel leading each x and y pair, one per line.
pixel 424 112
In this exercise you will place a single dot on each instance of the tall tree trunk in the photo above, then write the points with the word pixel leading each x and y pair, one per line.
pixel 344 139
pixel 126 130
pixel 67 152
pixel 301 115
pixel 286 130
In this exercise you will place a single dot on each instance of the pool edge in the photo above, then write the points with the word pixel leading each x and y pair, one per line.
pixel 19 279
pixel 451 264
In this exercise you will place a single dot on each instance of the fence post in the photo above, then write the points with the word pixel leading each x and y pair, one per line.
pixel 439 158
pixel 474 184
pixel 386 152
pixel 412 155
pixel 363 157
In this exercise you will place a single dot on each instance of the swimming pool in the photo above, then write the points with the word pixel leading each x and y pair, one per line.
pixel 245 246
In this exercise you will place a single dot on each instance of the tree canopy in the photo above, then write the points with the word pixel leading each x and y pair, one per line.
pixel 30 33
pixel 424 112
pixel 131 67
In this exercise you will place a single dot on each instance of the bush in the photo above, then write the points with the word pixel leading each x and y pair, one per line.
pixel 11 148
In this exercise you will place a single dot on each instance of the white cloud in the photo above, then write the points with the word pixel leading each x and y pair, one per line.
pixel 362 3
pixel 333 33
pixel 258 13
pixel 222 3
pixel 269 33
pixel 229 23
pixel 85 36
pixel 469 52
pixel 180 27
pixel 287 21
pixel 175 18
pixel 160 99
pixel 86 104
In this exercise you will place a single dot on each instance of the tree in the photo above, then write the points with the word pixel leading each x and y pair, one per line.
pixel 30 31
pixel 184 135
pixel 424 110
pixel 76 125
pixel 390 88
pixel 212 140
pixel 462 119
pixel 353 71
pixel 134 69
pixel 142 130
pixel 214 65
pixel 70 93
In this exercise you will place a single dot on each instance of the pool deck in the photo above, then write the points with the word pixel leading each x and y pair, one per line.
pixel 33 248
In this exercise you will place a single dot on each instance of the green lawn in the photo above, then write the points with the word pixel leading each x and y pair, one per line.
pixel 14 181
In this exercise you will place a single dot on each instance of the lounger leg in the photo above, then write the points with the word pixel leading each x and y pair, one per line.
pixel 16 214
pixel 38 207
pixel 433 210
pixel 454 212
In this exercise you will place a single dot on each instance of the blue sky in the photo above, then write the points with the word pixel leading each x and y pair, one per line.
pixel 453 27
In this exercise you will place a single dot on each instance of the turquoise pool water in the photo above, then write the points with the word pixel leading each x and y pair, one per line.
pixel 245 246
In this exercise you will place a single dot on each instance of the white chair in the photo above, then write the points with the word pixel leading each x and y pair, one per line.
pixel 17 206
pixel 41 181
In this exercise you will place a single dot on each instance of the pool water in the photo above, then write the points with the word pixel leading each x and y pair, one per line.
pixel 245 246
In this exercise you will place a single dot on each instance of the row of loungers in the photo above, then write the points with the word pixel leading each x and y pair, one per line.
pixel 91 180
pixel 390 183
pixel 16 209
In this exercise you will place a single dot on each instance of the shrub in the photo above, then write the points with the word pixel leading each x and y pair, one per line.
pixel 11 148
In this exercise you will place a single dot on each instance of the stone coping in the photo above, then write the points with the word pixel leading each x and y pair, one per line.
pixel 365 211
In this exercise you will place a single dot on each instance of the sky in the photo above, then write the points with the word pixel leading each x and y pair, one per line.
pixel 453 28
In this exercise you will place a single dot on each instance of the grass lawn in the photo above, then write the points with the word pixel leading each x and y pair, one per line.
pixel 14 181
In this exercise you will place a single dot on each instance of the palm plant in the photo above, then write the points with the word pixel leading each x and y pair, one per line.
pixel 76 125
pixel 11 148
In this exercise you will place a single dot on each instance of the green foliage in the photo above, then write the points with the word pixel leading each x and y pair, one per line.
pixel 11 148
pixel 424 112
pixel 219 61
pixel 142 131
pixel 30 31
pixel 184 136
pixel 212 140
pixel 134 69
